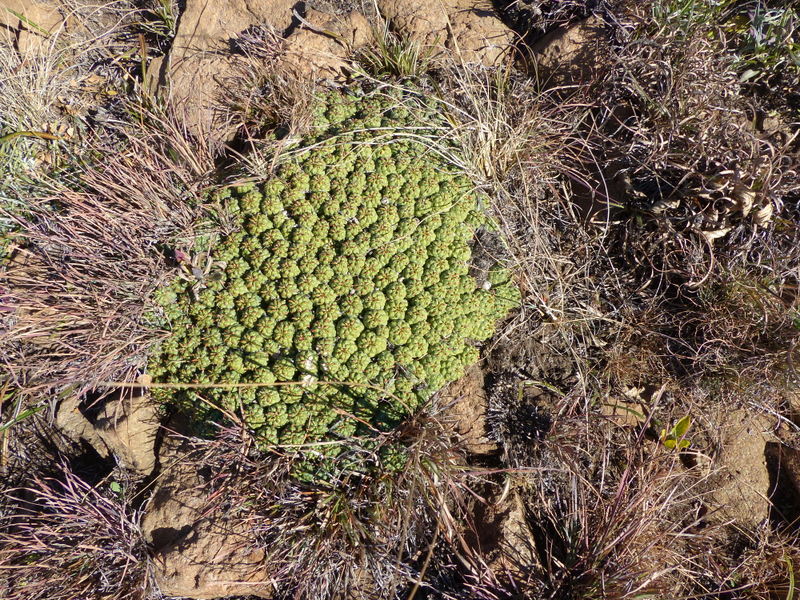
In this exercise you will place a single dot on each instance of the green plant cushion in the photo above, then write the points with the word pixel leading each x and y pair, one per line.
pixel 349 265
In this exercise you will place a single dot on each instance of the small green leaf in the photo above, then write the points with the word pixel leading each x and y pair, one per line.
pixel 24 414
pixel 681 427
pixel 28 22
pixel 115 487
pixel 748 75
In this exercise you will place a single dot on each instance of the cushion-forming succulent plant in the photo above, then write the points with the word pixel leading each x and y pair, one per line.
pixel 350 265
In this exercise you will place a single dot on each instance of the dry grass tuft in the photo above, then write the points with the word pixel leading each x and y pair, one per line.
pixel 89 249
pixel 274 110
pixel 703 215
pixel 609 511
pixel 395 56
pixel 681 235
pixel 498 124
pixel 357 535
pixel 66 540
pixel 65 85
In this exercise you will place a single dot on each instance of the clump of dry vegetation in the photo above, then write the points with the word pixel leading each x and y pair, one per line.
pixel 676 243
pixel 650 216
pixel 69 539
pixel 358 536
pixel 89 323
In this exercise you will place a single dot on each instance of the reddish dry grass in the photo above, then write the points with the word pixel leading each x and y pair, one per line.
pixel 358 533
pixel 90 250
pixel 67 540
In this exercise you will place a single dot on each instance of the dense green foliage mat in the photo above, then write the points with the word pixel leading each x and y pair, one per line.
pixel 351 265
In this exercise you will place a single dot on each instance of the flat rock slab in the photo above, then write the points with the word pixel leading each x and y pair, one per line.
pixel 28 26
pixel 471 30
pixel 201 64
pixel 742 490
pixel 201 549
pixel 320 46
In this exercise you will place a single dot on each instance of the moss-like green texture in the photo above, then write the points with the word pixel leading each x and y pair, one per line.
pixel 350 265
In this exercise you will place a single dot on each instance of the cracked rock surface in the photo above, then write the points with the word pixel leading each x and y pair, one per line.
pixel 469 29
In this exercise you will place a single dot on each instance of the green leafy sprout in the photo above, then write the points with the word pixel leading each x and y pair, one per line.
pixel 765 40
pixel 675 438
pixel 345 294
